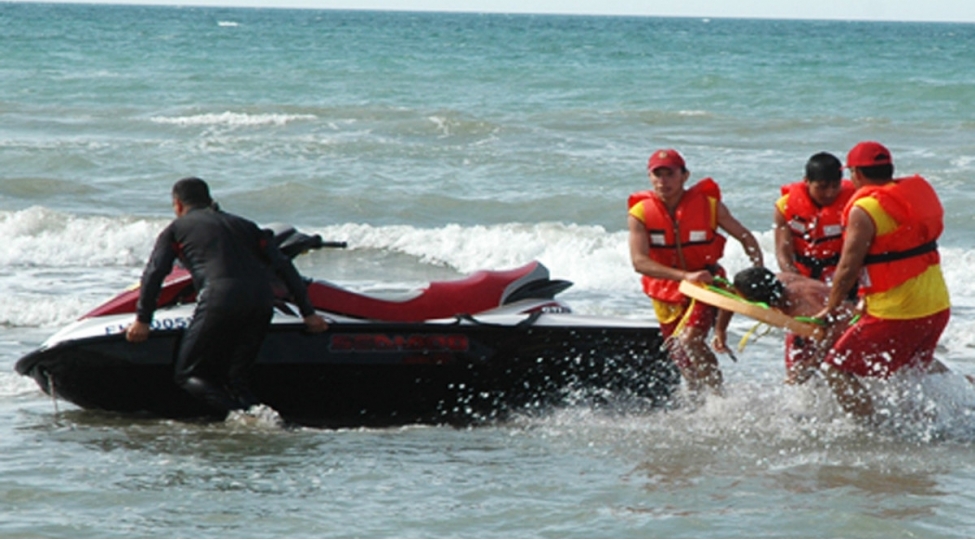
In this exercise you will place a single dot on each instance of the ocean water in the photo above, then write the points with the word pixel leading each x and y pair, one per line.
pixel 436 145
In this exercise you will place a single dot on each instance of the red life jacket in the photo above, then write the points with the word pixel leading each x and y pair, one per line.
pixel 911 248
pixel 817 231
pixel 698 245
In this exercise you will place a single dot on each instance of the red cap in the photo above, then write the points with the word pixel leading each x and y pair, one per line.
pixel 667 157
pixel 868 154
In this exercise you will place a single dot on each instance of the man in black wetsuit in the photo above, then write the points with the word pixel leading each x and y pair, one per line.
pixel 232 262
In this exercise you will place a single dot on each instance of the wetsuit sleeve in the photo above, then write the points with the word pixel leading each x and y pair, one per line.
pixel 159 266
pixel 286 270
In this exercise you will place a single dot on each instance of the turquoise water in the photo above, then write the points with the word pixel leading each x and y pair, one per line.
pixel 438 144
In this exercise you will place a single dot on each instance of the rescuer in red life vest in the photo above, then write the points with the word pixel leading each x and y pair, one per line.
pixel 673 236
pixel 808 221
pixel 889 248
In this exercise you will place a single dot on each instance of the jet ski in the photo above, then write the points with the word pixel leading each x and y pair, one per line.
pixel 456 352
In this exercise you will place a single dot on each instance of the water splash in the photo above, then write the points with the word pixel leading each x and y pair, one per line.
pixel 257 416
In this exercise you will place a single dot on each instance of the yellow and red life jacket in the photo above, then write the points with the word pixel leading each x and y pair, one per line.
pixel 687 240
pixel 817 231
pixel 909 249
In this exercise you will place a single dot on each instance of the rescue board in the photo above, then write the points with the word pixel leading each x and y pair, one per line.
pixel 761 313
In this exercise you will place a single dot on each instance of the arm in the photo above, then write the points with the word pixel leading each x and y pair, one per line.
pixel 843 317
pixel 159 266
pixel 784 251
pixel 738 231
pixel 720 340
pixel 286 270
pixel 643 264
pixel 856 243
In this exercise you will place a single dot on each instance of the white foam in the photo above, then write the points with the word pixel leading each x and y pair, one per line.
pixel 760 413
pixel 44 311
pixel 257 416
pixel 232 119
pixel 957 264
pixel 12 384
pixel 57 266
pixel 926 407
pixel 39 237
pixel 587 255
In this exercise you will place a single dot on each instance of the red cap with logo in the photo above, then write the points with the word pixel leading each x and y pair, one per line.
pixel 667 157
pixel 868 154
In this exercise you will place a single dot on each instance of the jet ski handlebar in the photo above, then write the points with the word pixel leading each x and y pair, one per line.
pixel 293 242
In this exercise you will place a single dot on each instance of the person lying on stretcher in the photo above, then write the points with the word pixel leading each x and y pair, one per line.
pixel 796 296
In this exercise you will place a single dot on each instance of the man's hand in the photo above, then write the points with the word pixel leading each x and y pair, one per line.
pixel 838 315
pixel 137 332
pixel 700 276
pixel 316 323
pixel 719 342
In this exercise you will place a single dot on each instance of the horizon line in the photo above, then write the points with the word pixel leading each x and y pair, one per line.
pixel 301 6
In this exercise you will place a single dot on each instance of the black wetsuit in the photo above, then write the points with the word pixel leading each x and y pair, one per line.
pixel 231 261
